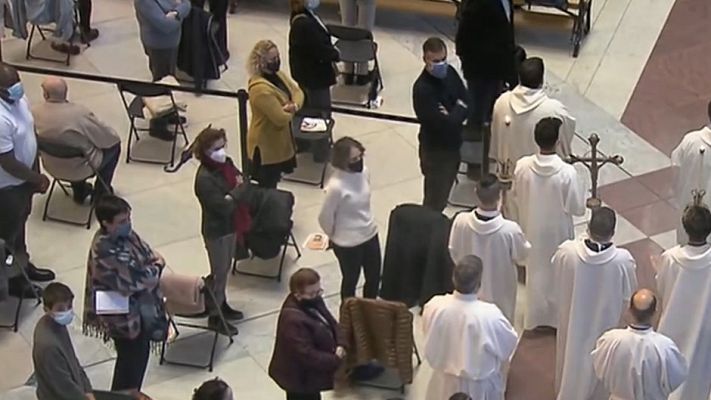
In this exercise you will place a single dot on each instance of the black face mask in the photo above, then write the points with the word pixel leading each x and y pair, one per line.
pixel 310 303
pixel 273 66
pixel 356 166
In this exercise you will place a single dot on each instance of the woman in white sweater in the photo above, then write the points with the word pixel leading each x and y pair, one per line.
pixel 346 218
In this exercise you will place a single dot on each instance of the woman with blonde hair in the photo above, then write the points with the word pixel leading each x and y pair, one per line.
pixel 274 99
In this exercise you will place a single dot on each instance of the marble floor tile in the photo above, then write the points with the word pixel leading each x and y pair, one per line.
pixel 665 240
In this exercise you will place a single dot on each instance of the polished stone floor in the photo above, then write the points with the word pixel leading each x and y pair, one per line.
pixel 612 80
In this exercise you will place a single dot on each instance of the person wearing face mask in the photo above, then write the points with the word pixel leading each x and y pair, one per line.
pixel 348 221
pixel 160 25
pixel 309 346
pixel 20 178
pixel 274 99
pixel 311 57
pixel 219 187
pixel 122 264
pixel 57 370
pixel 440 102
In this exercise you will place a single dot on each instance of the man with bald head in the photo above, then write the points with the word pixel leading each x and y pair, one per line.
pixel 73 124
pixel 637 363
pixel 19 176
pixel 468 342
pixel 594 281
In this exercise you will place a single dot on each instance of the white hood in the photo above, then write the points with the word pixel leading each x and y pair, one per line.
pixel 692 257
pixel 594 257
pixel 547 165
pixel 485 227
pixel 523 99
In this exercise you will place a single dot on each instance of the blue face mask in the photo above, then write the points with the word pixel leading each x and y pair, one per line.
pixel 15 92
pixel 63 318
pixel 312 4
pixel 439 70
pixel 123 230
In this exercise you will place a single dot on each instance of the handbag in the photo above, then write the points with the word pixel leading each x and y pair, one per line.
pixel 154 321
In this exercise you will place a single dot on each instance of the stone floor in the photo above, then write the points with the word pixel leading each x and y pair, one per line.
pixel 614 79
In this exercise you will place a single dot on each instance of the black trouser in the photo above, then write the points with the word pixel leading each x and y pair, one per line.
pixel 105 171
pixel 84 8
pixel 440 170
pixel 218 9
pixel 317 102
pixel 131 362
pixel 303 396
pixel 162 62
pixel 15 207
pixel 483 94
pixel 352 259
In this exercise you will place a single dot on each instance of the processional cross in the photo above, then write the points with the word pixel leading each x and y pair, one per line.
pixel 593 163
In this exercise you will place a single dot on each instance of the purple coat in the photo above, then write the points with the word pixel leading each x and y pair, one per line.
pixel 304 358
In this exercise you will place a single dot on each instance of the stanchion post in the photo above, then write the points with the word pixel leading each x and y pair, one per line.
pixel 242 99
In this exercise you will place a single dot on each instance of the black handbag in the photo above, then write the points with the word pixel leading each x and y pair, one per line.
pixel 154 321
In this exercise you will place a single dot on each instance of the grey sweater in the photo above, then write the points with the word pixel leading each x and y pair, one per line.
pixel 57 369
pixel 157 30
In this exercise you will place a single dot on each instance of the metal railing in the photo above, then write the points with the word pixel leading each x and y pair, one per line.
pixel 240 95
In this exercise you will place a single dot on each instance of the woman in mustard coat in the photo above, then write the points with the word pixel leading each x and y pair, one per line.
pixel 274 99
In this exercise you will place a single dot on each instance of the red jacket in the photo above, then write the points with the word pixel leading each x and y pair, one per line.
pixel 304 358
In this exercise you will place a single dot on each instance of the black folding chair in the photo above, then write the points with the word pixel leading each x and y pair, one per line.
pixel 312 138
pixel 10 269
pixel 356 45
pixel 209 299
pixel 134 110
pixel 53 153
pixel 42 30
pixel 289 240
pixel 580 11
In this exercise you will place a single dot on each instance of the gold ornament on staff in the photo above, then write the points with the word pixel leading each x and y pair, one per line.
pixel 593 164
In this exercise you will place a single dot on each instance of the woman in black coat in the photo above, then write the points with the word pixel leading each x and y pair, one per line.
pixel 311 57
pixel 308 348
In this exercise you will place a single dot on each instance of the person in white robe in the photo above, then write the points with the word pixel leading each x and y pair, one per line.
pixel 684 288
pixel 468 342
pixel 517 112
pixel 691 160
pixel 595 281
pixel 500 244
pixel 547 193
pixel 637 363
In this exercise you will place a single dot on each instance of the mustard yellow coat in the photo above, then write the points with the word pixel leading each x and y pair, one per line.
pixel 269 128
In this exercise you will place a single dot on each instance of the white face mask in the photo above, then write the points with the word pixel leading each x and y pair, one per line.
pixel 312 4
pixel 63 317
pixel 219 156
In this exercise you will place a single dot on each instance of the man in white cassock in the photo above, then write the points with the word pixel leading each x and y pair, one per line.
pixel 595 281
pixel 547 193
pixel 468 342
pixel 691 160
pixel 637 363
pixel 684 288
pixel 499 243
pixel 517 112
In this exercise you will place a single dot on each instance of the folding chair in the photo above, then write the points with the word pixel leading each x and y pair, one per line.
pixel 134 110
pixel 356 45
pixel 312 137
pixel 289 240
pixel 7 260
pixel 209 299
pixel 42 30
pixel 53 154
pixel 580 11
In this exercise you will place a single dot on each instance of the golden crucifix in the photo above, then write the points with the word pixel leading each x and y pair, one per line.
pixel 593 164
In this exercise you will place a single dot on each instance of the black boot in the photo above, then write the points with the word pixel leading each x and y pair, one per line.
pixel 215 323
pixel 230 313
pixel 39 274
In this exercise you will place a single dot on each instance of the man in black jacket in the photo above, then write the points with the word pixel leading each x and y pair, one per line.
pixel 440 102
pixel 485 46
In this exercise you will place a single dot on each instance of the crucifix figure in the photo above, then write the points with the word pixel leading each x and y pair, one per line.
pixel 504 172
pixel 593 164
